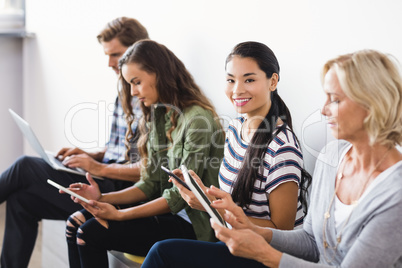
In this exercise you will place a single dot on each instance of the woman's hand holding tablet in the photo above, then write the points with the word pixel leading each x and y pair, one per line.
pixel 202 197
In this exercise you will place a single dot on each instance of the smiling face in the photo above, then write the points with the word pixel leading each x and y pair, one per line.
pixel 345 117
pixel 114 50
pixel 142 84
pixel 248 87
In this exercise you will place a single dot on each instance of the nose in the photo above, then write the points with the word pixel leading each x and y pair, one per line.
pixel 237 88
pixel 133 91
pixel 324 110
pixel 113 63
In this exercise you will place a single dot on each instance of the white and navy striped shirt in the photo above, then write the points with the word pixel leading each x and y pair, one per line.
pixel 282 163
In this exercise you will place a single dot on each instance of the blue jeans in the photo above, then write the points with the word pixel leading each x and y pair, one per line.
pixel 181 253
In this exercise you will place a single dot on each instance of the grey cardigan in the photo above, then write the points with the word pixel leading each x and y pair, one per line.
pixel 373 235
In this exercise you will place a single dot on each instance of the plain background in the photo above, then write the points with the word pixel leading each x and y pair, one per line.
pixel 68 91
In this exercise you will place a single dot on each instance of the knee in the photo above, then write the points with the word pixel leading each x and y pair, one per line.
pixel 73 223
pixel 23 165
pixel 156 255
pixel 158 248
pixel 24 161
pixel 80 238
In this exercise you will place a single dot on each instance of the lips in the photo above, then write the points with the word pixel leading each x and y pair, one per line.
pixel 331 123
pixel 241 102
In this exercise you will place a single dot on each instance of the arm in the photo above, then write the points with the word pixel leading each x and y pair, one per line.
pixel 106 211
pixel 248 244
pixel 125 196
pixel 377 245
pixel 282 183
pixel 246 239
pixel 283 207
pixel 91 191
pixel 65 152
pixel 126 172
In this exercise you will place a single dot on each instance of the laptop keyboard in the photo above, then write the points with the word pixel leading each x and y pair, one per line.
pixel 60 164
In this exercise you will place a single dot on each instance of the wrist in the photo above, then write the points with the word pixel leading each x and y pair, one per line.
pixel 101 169
pixel 269 256
pixel 265 232
pixel 120 215
pixel 98 156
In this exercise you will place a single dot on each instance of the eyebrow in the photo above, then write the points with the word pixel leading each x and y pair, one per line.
pixel 332 93
pixel 131 80
pixel 245 75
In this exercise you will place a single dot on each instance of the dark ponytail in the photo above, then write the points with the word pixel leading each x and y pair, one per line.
pixel 243 188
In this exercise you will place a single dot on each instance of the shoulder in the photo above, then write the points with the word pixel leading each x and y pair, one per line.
pixel 235 125
pixel 284 142
pixel 197 118
pixel 332 152
pixel 195 110
pixel 393 180
pixel 195 113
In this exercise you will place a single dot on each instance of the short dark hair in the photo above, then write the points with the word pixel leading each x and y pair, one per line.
pixel 126 30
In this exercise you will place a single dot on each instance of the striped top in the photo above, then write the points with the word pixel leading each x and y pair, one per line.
pixel 282 163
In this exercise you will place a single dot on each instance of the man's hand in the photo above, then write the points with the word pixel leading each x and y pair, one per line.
pixel 65 152
pixel 84 162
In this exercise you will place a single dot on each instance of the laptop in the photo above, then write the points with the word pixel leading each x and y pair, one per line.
pixel 48 157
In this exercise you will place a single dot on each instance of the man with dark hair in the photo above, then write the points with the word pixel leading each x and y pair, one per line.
pixel 23 185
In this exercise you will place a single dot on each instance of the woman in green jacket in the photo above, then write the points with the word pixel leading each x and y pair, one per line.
pixel 179 126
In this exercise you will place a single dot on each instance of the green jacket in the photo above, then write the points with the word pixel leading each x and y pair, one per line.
pixel 198 143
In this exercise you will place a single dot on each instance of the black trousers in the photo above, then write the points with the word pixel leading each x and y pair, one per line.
pixel 133 236
pixel 30 199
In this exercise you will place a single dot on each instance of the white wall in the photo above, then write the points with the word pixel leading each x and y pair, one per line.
pixel 10 97
pixel 65 67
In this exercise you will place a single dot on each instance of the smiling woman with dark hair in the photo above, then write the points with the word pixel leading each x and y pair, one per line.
pixel 262 169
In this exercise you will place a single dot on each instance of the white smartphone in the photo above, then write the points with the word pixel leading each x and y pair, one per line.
pixel 64 189
pixel 201 196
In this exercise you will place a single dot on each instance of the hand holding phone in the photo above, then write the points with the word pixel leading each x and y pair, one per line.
pixel 171 174
pixel 64 189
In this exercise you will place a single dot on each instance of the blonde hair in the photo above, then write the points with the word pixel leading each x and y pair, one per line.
pixel 373 80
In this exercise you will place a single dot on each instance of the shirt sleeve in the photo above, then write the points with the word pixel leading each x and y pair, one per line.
pixel 284 160
pixel 378 245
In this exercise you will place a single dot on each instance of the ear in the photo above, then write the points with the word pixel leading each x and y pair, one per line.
pixel 274 81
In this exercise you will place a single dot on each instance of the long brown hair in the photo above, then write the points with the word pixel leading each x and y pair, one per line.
pixel 174 84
